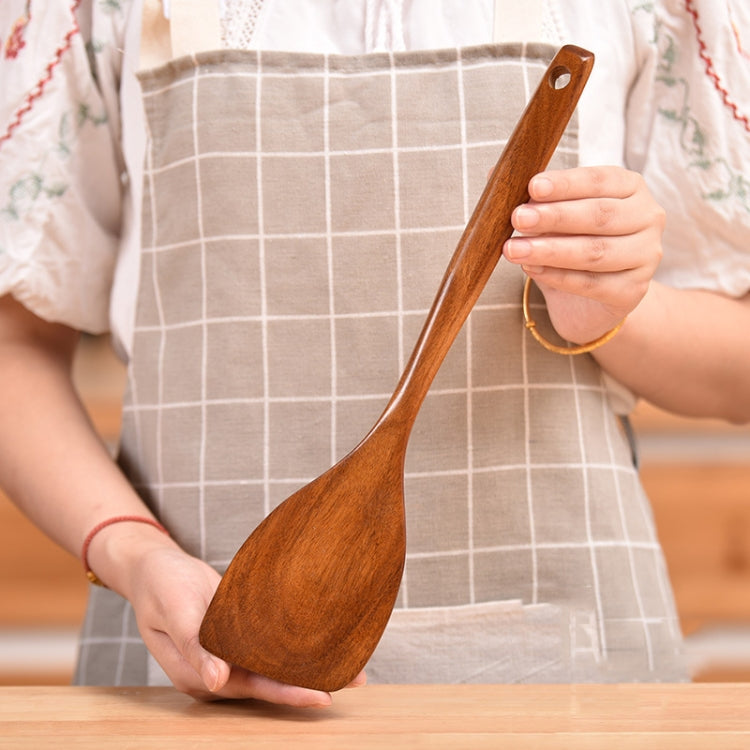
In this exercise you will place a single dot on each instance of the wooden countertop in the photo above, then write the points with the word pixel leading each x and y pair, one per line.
pixel 579 717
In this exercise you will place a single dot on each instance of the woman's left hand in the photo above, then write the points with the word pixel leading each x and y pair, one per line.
pixel 591 240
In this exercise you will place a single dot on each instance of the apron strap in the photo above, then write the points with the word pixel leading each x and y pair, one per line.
pixel 516 21
pixel 193 26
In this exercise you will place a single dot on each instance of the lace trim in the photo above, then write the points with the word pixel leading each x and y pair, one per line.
pixel 238 21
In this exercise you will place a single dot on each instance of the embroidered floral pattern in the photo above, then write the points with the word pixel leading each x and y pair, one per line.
pixel 28 190
pixel 110 6
pixel 728 185
pixel 36 185
pixel 49 70
pixel 42 180
pixel 15 41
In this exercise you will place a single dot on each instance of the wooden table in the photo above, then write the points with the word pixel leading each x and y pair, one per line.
pixel 605 717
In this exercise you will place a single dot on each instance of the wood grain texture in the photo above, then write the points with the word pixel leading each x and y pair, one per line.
pixel 307 597
pixel 543 717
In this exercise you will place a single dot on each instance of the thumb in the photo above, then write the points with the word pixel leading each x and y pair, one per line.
pixel 214 672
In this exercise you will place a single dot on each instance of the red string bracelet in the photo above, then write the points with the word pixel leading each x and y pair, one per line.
pixel 115 519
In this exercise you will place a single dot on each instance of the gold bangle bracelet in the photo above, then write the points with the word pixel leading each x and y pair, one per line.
pixel 567 350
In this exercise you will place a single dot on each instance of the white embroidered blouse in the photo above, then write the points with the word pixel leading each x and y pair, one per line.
pixel 670 97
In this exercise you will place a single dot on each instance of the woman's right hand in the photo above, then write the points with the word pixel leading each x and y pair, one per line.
pixel 170 592
pixel 45 425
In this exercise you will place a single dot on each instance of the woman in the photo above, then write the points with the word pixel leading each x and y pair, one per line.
pixel 230 216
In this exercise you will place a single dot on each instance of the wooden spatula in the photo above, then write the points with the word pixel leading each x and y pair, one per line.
pixel 308 595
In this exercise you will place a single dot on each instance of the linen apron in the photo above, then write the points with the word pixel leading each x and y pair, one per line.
pixel 299 211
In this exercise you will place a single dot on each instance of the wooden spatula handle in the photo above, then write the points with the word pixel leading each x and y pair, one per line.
pixel 527 152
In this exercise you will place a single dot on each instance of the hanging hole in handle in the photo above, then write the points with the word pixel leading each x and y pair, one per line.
pixel 559 78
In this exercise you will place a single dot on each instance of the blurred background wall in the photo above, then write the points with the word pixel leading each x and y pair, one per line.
pixel 697 473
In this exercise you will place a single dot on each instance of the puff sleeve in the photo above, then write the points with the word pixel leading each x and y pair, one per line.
pixel 60 161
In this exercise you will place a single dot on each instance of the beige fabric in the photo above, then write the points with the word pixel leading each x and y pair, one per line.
pixel 514 21
pixel 299 212
pixel 156 44
pixel 193 26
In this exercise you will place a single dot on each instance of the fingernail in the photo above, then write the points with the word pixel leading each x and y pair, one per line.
pixel 358 681
pixel 541 187
pixel 525 217
pixel 322 701
pixel 533 270
pixel 516 249
pixel 211 676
